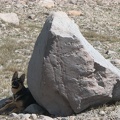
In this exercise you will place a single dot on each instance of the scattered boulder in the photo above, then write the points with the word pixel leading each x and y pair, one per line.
pixel 66 75
pixel 10 18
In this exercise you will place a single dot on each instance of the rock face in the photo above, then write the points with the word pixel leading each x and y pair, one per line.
pixel 66 74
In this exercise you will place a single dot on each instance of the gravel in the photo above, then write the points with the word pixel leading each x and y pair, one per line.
pixel 99 23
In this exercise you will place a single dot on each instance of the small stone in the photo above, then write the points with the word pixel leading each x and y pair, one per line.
pixel 14 115
pixel 102 113
pixel 10 18
pixel 109 52
pixel 47 3
pixel 73 1
pixel 1 67
pixel 34 116
pixel 27 115
pixel 19 5
pixel 97 43
pixel 72 118
pixel 21 116
pixel 3 26
pixel 115 61
pixel 18 61
pixel 18 51
pixel 64 118
pixel 43 117
pixel 32 16
pixel 74 13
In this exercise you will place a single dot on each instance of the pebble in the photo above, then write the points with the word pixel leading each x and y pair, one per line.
pixel 72 118
pixel 15 115
pixel 115 61
pixel 18 61
pixel 10 18
pixel 109 52
pixel 1 67
pixel 34 116
pixel 65 118
pixel 31 16
pixel 3 26
pixel 21 115
pixel 102 113
pixel 27 116
pixel 73 1
pixel 43 117
pixel 74 13
pixel 47 3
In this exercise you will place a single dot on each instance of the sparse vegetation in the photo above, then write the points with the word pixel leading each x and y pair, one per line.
pixel 99 24
pixel 92 36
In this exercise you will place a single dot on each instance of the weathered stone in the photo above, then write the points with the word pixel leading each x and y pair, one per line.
pixel 102 113
pixel 14 115
pixel 73 1
pixel 115 61
pixel 10 18
pixel 34 108
pixel 27 116
pixel 24 116
pixel 66 74
pixel 47 3
pixel 34 116
pixel 75 13
pixel 43 117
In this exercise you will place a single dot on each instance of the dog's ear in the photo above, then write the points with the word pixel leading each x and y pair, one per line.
pixel 22 77
pixel 15 75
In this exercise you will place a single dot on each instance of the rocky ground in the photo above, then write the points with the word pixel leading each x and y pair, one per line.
pixel 99 21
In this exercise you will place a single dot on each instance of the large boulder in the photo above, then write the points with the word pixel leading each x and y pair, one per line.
pixel 66 74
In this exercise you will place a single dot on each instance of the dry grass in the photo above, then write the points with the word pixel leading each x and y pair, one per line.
pixel 90 35
pixel 11 60
pixel 16 45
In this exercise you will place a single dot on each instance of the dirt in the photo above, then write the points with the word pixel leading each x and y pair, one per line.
pixel 99 22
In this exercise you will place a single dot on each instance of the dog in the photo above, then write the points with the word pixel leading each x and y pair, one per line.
pixel 21 98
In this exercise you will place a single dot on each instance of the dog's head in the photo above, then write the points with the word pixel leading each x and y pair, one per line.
pixel 17 82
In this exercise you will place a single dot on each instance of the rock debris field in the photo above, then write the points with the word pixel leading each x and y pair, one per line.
pixel 21 22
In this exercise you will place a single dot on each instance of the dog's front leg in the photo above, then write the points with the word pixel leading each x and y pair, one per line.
pixel 7 106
